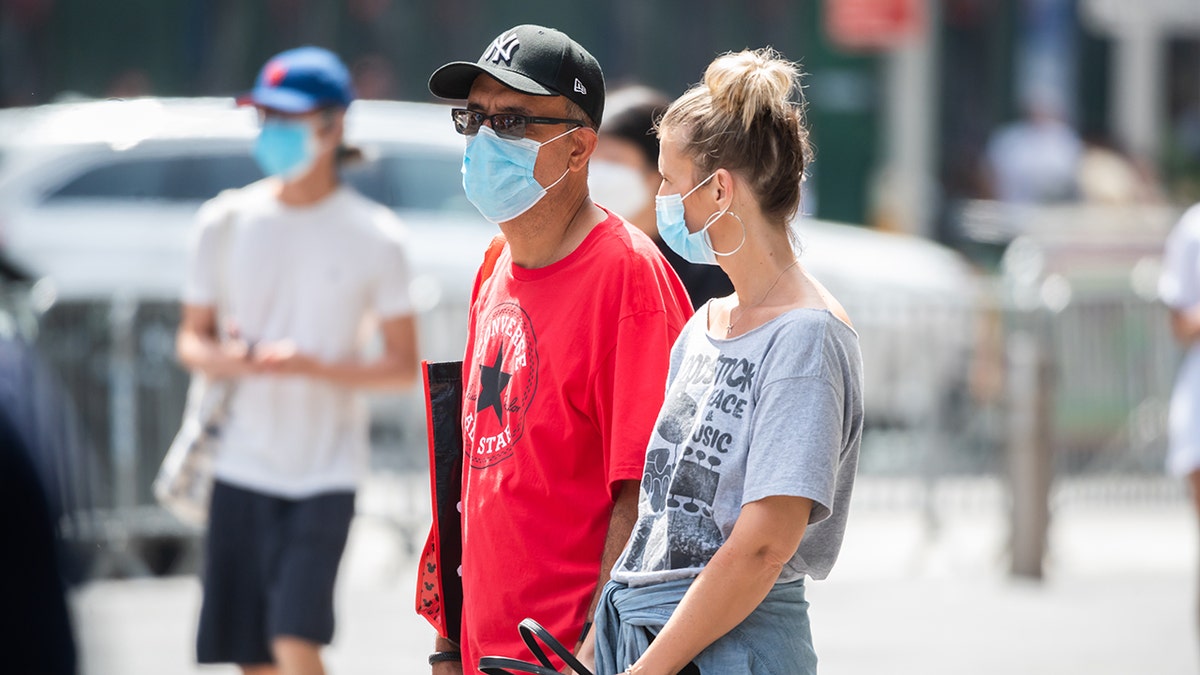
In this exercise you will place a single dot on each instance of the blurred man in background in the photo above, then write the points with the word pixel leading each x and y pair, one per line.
pixel 1035 159
pixel 1179 288
pixel 284 274
pixel 624 178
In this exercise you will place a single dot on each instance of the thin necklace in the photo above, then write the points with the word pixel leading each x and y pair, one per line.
pixel 731 323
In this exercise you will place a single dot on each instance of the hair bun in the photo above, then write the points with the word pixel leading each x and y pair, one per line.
pixel 751 82
pixel 743 118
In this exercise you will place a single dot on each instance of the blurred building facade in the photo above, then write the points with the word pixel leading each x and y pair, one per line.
pixel 904 93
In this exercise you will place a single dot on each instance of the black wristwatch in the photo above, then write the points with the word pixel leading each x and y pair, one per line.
pixel 439 657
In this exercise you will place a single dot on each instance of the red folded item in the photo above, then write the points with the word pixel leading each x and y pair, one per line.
pixel 439 584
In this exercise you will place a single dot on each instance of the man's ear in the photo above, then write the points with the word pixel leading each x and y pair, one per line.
pixel 583 144
pixel 333 124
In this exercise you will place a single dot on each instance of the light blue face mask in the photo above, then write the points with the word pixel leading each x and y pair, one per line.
pixel 286 149
pixel 693 247
pixel 498 174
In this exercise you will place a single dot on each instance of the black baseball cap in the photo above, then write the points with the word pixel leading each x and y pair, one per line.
pixel 532 60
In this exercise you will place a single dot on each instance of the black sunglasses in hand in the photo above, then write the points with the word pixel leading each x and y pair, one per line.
pixel 506 125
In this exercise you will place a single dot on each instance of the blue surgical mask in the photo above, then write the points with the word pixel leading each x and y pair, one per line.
pixel 285 148
pixel 498 174
pixel 691 246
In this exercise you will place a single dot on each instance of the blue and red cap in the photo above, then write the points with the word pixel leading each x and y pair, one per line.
pixel 302 80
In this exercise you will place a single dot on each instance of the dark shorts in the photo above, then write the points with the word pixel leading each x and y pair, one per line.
pixel 269 570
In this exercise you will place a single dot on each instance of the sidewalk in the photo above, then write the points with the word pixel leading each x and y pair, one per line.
pixel 1118 599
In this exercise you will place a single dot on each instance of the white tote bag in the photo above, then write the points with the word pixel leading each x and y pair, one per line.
pixel 185 478
pixel 184 482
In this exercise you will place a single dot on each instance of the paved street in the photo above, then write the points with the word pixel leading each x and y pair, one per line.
pixel 1117 600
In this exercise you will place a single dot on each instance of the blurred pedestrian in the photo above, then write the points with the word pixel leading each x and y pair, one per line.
pixel 33 614
pixel 36 458
pixel 750 467
pixel 284 274
pixel 1179 288
pixel 624 177
pixel 1035 159
pixel 566 351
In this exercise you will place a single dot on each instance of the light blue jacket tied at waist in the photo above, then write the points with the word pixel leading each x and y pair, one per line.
pixel 774 640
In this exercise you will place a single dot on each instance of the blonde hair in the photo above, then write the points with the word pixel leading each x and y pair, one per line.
pixel 744 118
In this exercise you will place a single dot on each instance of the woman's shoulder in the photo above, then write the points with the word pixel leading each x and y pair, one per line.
pixel 811 342
pixel 826 300
pixel 814 325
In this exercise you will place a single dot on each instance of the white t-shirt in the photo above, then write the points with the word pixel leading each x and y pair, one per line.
pixel 314 275
pixel 1179 288
pixel 1035 162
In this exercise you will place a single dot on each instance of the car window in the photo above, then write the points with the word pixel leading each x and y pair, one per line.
pixel 193 178
pixel 417 179
pixel 425 180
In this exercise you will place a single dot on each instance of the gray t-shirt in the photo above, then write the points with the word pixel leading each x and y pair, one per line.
pixel 776 411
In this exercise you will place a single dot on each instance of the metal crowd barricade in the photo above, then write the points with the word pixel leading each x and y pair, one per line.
pixel 115 358
pixel 952 399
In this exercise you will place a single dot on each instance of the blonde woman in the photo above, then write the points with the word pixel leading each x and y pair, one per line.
pixel 750 468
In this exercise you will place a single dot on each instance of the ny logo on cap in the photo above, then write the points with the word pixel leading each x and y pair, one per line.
pixel 502 48
pixel 579 87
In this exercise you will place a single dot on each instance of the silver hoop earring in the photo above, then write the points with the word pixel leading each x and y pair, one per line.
pixel 708 238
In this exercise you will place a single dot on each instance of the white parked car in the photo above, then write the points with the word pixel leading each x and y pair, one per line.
pixel 99 198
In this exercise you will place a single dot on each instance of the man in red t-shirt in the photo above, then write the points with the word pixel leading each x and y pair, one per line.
pixel 567 354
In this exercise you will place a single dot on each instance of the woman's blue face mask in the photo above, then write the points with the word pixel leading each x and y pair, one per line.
pixel 672 227
pixel 285 148
pixel 498 174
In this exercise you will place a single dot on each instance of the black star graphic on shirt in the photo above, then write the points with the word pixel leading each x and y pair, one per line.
pixel 492 381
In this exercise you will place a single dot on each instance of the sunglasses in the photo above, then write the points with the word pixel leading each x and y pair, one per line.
pixel 506 125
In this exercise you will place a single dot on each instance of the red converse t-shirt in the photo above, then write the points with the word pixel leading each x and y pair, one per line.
pixel 563 378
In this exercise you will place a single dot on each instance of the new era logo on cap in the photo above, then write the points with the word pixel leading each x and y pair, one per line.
pixel 579 87
pixel 502 48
